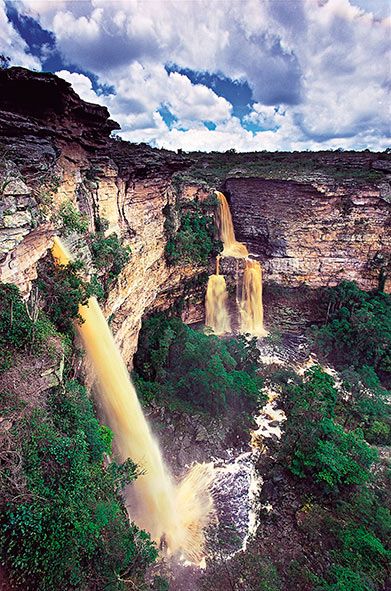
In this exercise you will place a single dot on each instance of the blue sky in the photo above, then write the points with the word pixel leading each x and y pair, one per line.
pixel 221 74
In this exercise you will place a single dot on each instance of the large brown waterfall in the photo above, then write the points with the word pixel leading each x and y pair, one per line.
pixel 232 248
pixel 174 513
pixel 216 310
pixel 250 300
pixel 250 305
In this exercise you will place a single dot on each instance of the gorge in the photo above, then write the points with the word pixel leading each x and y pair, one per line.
pixel 169 243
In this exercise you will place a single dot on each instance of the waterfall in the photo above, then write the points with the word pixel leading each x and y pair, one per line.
pixel 250 303
pixel 216 311
pixel 174 514
pixel 232 248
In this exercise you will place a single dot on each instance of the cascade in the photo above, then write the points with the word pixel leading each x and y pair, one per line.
pixel 175 514
pixel 232 248
pixel 216 310
pixel 250 303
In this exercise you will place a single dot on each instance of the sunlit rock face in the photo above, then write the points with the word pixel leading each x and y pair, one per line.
pixel 48 131
pixel 310 229
pixel 317 233
pixel 147 282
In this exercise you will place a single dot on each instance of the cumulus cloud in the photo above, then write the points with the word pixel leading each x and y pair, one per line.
pixel 12 44
pixel 82 85
pixel 317 68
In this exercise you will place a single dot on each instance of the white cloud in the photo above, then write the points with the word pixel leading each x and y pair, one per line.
pixel 12 44
pixel 82 85
pixel 317 69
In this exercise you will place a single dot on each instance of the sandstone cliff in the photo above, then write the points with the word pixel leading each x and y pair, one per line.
pixel 311 218
pixel 313 232
pixel 54 149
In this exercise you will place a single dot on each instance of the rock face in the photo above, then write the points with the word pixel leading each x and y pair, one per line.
pixel 45 106
pixel 55 148
pixel 60 143
pixel 313 233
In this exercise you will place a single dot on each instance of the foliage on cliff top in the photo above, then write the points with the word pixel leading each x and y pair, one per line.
pixel 175 362
pixel 191 232
pixel 63 524
pixel 215 167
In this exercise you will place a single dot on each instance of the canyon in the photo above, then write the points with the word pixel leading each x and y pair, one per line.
pixel 312 220
pixel 305 222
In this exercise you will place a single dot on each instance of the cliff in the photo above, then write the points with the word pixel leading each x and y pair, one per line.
pixel 313 232
pixel 55 149
pixel 311 218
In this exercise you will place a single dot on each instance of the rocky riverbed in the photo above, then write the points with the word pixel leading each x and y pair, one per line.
pixel 238 484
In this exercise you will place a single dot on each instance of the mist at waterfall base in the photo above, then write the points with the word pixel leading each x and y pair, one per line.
pixel 176 515
pixel 250 302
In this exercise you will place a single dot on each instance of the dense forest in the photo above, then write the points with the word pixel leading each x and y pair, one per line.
pixel 63 522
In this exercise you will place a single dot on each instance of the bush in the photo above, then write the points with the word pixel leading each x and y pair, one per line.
pixel 357 331
pixel 109 257
pixel 176 362
pixel 344 579
pixel 365 404
pixel 196 240
pixel 69 529
pixel 319 448
pixel 64 290
pixel 20 329
pixel 72 219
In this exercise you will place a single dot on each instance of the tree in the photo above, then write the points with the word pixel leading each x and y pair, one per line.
pixel 318 447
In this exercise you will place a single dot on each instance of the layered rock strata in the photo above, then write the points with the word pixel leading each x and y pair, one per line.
pixel 314 233
pixel 55 148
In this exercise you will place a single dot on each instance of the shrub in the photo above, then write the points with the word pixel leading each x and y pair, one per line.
pixel 72 219
pixel 20 329
pixel 195 241
pixel 176 362
pixel 69 529
pixel 357 331
pixel 319 448
pixel 344 579
pixel 109 257
pixel 64 290
pixel 365 403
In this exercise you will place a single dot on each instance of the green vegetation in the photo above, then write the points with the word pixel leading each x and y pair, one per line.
pixel 215 167
pixel 62 520
pixel 72 219
pixel 326 483
pixel 191 232
pixel 63 525
pixel 22 328
pixel 324 447
pixel 315 445
pixel 244 571
pixel 64 289
pixel 109 257
pixel 357 331
pixel 177 364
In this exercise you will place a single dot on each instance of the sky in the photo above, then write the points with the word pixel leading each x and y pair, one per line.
pixel 218 74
